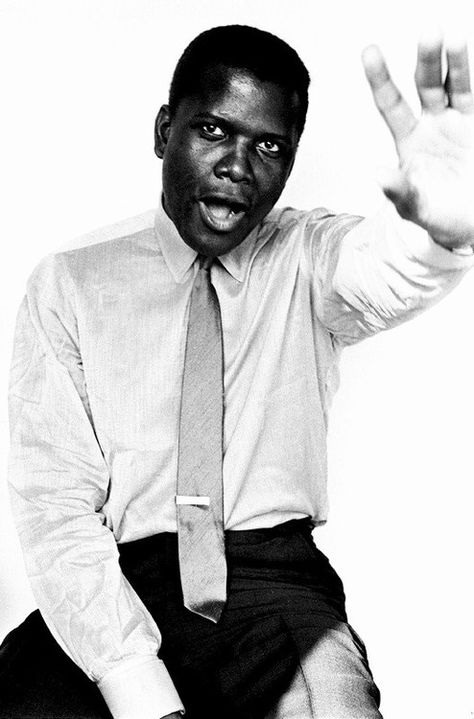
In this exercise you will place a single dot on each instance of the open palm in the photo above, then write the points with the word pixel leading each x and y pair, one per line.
pixel 434 182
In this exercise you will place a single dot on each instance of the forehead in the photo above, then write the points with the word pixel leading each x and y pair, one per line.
pixel 234 94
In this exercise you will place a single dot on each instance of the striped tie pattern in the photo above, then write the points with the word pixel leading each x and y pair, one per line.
pixel 199 497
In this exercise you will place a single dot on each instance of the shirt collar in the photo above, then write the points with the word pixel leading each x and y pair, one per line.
pixel 179 257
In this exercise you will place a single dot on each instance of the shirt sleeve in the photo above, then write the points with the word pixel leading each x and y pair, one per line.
pixel 375 273
pixel 59 483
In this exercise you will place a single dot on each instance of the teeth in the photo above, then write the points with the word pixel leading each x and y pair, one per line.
pixel 220 212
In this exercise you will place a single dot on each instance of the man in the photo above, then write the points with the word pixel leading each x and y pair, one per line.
pixel 211 332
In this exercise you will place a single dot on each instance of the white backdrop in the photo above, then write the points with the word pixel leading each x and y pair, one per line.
pixel 81 83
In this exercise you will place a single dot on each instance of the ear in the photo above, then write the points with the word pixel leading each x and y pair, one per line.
pixel 162 130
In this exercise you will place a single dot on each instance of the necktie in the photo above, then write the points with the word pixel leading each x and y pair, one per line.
pixel 199 497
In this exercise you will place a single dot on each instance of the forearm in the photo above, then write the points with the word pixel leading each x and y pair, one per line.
pixel 91 610
pixel 387 270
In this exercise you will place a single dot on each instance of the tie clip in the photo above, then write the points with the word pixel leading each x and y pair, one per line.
pixel 193 499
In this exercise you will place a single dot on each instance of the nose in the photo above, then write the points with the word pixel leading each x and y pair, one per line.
pixel 234 164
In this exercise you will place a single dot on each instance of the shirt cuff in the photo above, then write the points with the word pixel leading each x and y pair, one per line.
pixel 421 246
pixel 140 688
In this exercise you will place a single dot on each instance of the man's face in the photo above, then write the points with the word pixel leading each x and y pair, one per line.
pixel 227 153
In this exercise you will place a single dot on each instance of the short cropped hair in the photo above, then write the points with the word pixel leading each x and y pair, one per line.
pixel 244 48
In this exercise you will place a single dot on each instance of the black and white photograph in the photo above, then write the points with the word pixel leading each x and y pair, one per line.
pixel 237 386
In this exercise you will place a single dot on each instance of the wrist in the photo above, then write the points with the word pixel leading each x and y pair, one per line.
pixel 463 250
pixel 461 245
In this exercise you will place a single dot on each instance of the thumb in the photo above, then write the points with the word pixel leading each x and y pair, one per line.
pixel 396 187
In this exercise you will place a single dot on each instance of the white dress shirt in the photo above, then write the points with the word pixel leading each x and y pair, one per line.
pixel 95 398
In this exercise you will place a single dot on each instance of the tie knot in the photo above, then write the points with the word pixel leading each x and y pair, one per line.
pixel 205 262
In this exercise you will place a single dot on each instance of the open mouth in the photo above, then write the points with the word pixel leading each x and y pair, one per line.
pixel 221 215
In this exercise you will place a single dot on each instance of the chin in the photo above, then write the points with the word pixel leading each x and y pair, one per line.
pixel 216 245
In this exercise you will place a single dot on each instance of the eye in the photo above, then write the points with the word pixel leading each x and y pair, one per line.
pixel 213 131
pixel 270 148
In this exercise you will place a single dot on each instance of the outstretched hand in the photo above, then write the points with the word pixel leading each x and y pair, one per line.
pixel 434 183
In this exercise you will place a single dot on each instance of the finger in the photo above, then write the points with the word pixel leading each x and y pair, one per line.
pixel 388 99
pixel 458 79
pixel 428 73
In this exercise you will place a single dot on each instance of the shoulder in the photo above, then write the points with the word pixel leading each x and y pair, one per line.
pixel 286 218
pixel 96 251
pixel 116 232
pixel 287 224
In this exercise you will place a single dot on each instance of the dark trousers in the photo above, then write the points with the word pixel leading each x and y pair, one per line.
pixel 283 648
